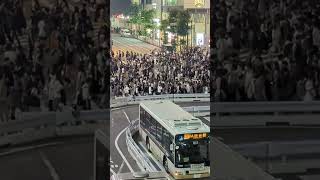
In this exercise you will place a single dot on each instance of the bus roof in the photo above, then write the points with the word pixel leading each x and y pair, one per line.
pixel 174 118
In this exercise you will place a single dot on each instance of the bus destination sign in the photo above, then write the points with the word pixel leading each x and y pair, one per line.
pixel 195 136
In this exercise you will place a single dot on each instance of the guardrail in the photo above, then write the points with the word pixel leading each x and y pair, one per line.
pixel 263 150
pixel 266 114
pixel 31 126
pixel 141 159
pixel 124 101
pixel 198 110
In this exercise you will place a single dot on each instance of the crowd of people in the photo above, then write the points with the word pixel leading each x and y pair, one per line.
pixel 160 72
pixel 63 62
pixel 266 50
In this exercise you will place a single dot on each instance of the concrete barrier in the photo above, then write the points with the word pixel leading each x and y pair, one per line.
pixel 247 114
pixel 42 125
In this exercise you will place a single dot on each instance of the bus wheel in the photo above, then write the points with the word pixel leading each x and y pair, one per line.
pixel 148 144
pixel 165 164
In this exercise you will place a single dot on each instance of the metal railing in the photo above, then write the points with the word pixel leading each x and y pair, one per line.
pixel 294 113
pixel 41 125
pixel 31 126
pixel 278 149
pixel 124 101
pixel 140 157
pixel 198 110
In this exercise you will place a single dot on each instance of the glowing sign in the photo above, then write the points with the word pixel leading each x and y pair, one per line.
pixel 195 136
pixel 200 39
pixel 199 3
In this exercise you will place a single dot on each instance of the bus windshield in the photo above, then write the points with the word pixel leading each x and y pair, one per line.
pixel 192 152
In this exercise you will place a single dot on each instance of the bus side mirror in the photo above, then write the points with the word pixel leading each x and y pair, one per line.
pixel 171 147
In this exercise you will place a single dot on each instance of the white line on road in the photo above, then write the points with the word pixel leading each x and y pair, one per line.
pixel 52 171
pixel 17 150
pixel 151 156
pixel 112 171
pixel 121 167
pixel 119 150
pixel 126 116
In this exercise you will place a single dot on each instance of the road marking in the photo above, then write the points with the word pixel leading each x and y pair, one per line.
pixel 220 138
pixel 151 156
pixel 112 171
pixel 121 167
pixel 17 150
pixel 52 171
pixel 119 150
pixel 132 44
pixel 126 116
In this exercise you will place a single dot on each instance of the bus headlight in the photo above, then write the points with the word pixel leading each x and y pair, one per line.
pixel 177 173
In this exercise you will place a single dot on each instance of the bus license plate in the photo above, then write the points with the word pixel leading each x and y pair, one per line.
pixel 197 166
pixel 197 176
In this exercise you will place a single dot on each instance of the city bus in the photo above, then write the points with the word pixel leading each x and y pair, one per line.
pixel 141 175
pixel 179 141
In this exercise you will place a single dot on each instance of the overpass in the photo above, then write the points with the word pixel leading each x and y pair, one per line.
pixel 124 112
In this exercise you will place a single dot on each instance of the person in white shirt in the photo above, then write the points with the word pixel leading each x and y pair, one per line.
pixel 159 89
pixel 150 89
pixel 41 26
pixel 126 90
pixel 54 88
pixel 86 95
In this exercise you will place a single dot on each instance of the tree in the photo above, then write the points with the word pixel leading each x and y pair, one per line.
pixel 147 19
pixel 183 23
pixel 178 21
pixel 164 28
pixel 133 11
pixel 173 16
pixel 183 26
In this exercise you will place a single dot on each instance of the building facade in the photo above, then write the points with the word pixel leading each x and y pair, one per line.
pixel 199 34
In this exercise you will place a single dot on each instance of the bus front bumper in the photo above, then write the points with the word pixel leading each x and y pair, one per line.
pixel 191 176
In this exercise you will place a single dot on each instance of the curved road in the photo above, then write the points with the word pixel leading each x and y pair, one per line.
pixel 60 159
pixel 72 157
pixel 121 160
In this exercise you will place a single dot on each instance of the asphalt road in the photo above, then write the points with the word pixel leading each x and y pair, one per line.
pixel 130 44
pixel 72 157
pixel 120 118
pixel 62 160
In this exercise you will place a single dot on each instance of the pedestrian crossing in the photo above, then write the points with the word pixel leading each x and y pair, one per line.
pixel 130 44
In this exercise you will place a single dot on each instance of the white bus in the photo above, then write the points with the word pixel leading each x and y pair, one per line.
pixel 141 175
pixel 179 141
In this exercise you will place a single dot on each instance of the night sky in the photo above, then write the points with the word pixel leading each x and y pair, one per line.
pixel 118 6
